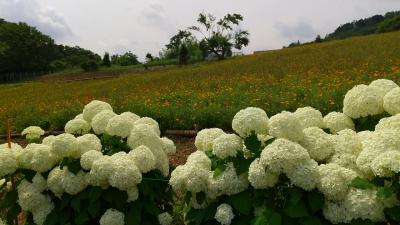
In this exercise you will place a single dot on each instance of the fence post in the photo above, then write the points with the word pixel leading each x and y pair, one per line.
pixel 8 132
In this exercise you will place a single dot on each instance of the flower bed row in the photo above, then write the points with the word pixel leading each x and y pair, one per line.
pixel 292 168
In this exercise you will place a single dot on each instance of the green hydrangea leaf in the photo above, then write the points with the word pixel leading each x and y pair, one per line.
pixel 241 202
pixel 82 217
pixel 95 193
pixel 296 210
pixel 316 201
pixel 385 192
pixel 134 215
pixel 252 143
pixel 200 197
pixel 361 183
pixel 393 213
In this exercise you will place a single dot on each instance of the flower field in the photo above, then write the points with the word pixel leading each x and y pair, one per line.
pixel 289 168
pixel 209 94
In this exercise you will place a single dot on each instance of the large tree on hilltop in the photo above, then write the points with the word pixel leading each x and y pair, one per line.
pixel 220 36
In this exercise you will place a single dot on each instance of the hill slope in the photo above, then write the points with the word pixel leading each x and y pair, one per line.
pixel 210 94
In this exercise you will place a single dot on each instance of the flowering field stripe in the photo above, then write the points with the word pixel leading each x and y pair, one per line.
pixel 209 94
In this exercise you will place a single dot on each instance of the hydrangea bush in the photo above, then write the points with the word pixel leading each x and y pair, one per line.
pixel 299 167
pixel 106 169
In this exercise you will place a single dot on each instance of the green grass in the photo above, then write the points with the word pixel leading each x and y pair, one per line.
pixel 209 94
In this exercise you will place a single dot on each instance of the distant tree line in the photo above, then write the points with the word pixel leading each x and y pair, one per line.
pixel 371 25
pixel 25 52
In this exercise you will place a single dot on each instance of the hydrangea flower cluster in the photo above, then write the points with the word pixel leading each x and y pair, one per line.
pixel 122 151
pixel 32 132
pixel 316 153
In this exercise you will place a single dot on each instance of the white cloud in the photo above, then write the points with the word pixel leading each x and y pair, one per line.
pixel 301 29
pixel 48 20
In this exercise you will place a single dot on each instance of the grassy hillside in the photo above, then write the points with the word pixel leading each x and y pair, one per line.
pixel 210 94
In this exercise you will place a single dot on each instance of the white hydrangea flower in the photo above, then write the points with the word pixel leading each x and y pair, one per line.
pixel 88 158
pixel 93 108
pixel 177 181
pixel 259 177
pixel 74 183
pixel 39 183
pixel 196 178
pixel 389 123
pixel 348 145
pixel 190 177
pixel 309 117
pixel 65 145
pixel 305 175
pixel 224 214
pixel 334 181
pixel 49 140
pixel 8 162
pixel 204 138
pixel 112 217
pixel 283 155
pixel 336 121
pixel 79 116
pixel 386 164
pixel 169 146
pixel 335 212
pixel 55 181
pixel 199 158
pixel 165 218
pixel 29 198
pixel 150 122
pixel 42 159
pixel 133 194
pixel 143 158
pixel 227 145
pixel 227 183
pixel 77 127
pixel 364 135
pixel 14 147
pixel 348 161
pixel 384 84
pixel 363 204
pixel 250 120
pixel 40 213
pixel 318 143
pixel 286 125
pixel 32 132
pixel 143 134
pixel 347 141
pixel 88 142
pixel 377 143
pixel 120 126
pixel 100 121
pixel 130 115
pixel 125 174
pixel 101 170
pixel 391 101
pixel 37 157
pixel 362 101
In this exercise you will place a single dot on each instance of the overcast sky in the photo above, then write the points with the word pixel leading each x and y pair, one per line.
pixel 145 26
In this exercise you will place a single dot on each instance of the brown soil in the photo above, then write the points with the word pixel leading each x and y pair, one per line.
pixel 102 74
